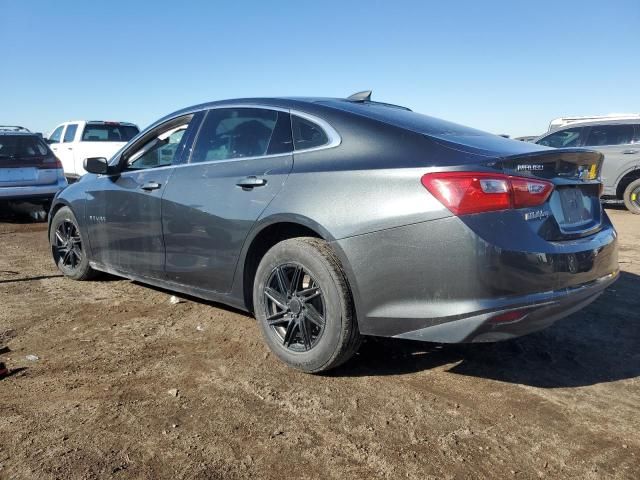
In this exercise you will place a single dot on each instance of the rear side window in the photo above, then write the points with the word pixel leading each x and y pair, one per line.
pixel 601 135
pixel 229 133
pixel 307 134
pixel 19 146
pixel 562 139
pixel 55 136
pixel 108 132
pixel 70 132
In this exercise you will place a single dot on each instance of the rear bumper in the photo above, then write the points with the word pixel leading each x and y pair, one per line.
pixel 542 310
pixel 31 193
pixel 441 281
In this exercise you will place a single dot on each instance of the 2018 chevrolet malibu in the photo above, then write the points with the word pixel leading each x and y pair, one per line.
pixel 332 219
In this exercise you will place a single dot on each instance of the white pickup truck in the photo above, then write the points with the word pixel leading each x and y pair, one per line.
pixel 72 142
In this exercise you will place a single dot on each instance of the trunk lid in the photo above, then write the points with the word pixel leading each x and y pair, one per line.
pixel 27 171
pixel 573 209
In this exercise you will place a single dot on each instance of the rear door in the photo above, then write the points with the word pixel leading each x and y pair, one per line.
pixel 124 209
pixel 620 153
pixel 240 160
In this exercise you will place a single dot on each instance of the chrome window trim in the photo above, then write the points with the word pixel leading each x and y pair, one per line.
pixel 333 136
pixel 209 162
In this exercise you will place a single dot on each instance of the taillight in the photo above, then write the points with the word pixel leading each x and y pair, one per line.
pixel 49 163
pixel 475 192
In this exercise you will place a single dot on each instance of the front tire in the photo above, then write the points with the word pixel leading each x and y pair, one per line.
pixel 304 306
pixel 68 246
pixel 631 197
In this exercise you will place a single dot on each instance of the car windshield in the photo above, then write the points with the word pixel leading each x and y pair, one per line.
pixel 21 146
pixel 105 132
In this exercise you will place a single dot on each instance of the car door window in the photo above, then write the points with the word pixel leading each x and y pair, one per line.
pixel 55 136
pixel 602 135
pixel 307 134
pixel 562 139
pixel 70 132
pixel 229 133
pixel 161 148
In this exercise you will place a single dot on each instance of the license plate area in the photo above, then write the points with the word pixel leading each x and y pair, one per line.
pixel 576 208
pixel 12 175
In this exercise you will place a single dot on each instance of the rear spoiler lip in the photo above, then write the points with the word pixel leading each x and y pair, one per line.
pixel 577 156
pixel 567 154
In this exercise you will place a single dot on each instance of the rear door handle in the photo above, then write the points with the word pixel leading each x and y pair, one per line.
pixel 630 152
pixel 150 186
pixel 251 182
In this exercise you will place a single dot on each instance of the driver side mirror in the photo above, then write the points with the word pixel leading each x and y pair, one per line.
pixel 97 165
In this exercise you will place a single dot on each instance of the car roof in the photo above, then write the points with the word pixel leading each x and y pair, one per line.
pixel 591 123
pixel 278 102
pixel 18 134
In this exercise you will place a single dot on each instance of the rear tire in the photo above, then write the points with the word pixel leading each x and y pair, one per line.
pixel 631 197
pixel 304 306
pixel 68 246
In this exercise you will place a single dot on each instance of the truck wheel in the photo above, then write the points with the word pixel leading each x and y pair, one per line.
pixel 68 246
pixel 304 306
pixel 631 197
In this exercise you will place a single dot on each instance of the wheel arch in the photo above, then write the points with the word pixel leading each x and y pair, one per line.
pixel 265 235
pixel 57 204
pixel 625 180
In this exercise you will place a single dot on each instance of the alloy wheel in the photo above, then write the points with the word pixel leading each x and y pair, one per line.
pixel 295 307
pixel 68 245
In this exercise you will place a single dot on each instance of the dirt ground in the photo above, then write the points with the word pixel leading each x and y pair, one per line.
pixel 563 403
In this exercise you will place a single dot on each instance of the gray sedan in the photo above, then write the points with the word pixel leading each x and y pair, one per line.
pixel 332 219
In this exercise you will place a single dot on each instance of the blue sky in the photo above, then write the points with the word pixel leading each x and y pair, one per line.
pixel 501 66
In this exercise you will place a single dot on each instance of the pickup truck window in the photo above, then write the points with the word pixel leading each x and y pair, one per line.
pixel 55 136
pixel 108 133
pixel 70 132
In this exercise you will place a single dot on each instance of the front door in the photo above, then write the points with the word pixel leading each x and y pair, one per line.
pixel 240 161
pixel 65 151
pixel 124 209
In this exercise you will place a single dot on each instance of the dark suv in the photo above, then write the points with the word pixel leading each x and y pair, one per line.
pixel 619 141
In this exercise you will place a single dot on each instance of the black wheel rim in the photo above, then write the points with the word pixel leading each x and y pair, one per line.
pixel 67 245
pixel 295 307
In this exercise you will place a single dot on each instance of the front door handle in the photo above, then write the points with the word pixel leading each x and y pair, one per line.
pixel 150 186
pixel 630 152
pixel 250 182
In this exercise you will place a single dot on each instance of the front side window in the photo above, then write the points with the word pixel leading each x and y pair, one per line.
pixel 108 132
pixel 70 132
pixel 229 133
pixel 562 139
pixel 162 149
pixel 307 134
pixel 55 136
pixel 602 135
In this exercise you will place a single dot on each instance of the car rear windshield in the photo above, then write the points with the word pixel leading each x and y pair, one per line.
pixel 406 119
pixel 18 146
pixel 104 132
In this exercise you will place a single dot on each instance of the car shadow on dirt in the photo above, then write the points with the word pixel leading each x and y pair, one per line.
pixel 598 344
